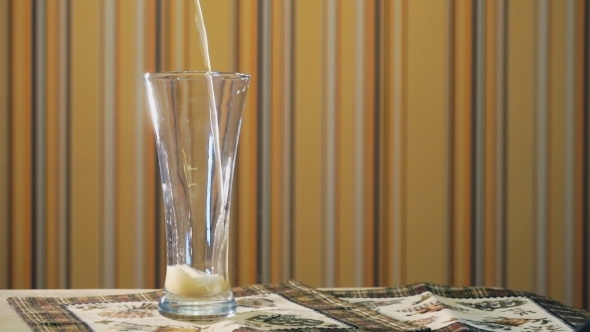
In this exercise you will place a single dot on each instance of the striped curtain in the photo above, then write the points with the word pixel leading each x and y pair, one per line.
pixel 385 142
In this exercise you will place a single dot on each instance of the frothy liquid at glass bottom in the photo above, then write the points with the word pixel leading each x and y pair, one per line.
pixel 183 280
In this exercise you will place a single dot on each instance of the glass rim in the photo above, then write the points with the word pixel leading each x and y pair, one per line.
pixel 194 74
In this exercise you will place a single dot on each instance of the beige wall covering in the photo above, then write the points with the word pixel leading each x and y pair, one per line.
pixel 384 142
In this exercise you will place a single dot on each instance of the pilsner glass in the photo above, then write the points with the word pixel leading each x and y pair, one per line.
pixel 196 139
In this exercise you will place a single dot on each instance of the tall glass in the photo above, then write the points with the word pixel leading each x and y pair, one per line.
pixel 196 139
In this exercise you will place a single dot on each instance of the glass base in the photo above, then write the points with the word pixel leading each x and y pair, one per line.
pixel 203 308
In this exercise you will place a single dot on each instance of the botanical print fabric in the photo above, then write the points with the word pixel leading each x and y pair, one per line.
pixel 294 306
pixel 264 311
pixel 447 308
pixel 495 314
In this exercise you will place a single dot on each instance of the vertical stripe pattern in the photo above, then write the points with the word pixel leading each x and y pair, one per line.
pixel 4 142
pixel 264 116
pixel 450 73
pixel 569 221
pixel 500 140
pixel 288 140
pixel 179 32
pixel 587 151
pixel 382 143
pixel 330 8
pixel 21 138
pixel 109 136
pixel 397 151
pixel 479 139
pixel 140 111
pixel 358 143
pixel 542 132
pixel 40 230
pixel 63 154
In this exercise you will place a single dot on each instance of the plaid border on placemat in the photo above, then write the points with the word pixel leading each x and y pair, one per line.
pixel 345 312
pixel 51 314
pixel 570 316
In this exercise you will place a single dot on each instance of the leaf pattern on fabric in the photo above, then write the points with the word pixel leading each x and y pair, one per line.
pixel 294 306
pixel 132 311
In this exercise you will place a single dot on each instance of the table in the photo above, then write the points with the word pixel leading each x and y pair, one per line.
pixel 10 321
pixel 417 307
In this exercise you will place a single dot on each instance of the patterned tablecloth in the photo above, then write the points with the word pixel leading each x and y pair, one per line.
pixel 293 305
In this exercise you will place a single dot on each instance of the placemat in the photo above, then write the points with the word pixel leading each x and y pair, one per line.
pixel 445 308
pixel 279 307
pixel 294 306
